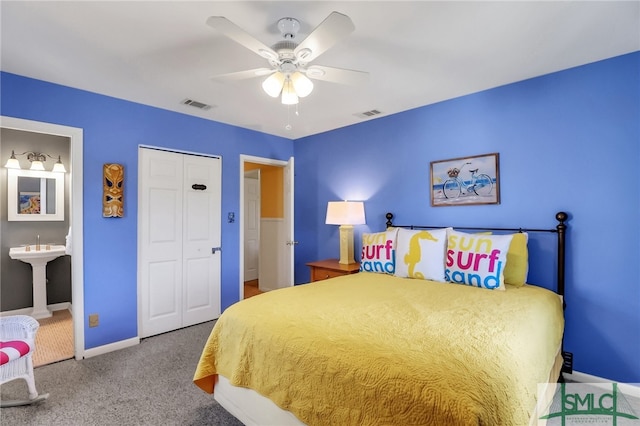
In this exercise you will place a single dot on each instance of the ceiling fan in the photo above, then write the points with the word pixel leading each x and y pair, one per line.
pixel 290 72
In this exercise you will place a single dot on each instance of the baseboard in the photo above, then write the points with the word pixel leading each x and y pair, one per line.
pixel 27 311
pixel 60 307
pixel 23 311
pixel 632 389
pixel 101 350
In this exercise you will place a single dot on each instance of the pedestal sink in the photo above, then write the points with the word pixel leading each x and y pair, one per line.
pixel 38 260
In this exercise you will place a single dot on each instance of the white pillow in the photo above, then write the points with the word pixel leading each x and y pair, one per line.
pixel 477 259
pixel 379 252
pixel 421 253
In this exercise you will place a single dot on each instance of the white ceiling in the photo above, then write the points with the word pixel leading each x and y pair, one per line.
pixel 417 53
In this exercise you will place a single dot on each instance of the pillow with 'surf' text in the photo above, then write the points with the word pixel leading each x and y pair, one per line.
pixel 379 252
pixel 477 260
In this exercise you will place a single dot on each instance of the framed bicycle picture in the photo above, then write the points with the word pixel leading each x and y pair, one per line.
pixel 466 181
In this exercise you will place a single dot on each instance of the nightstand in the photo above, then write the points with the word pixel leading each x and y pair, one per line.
pixel 323 269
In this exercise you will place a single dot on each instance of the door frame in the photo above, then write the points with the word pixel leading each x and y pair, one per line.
pixel 76 213
pixel 258 160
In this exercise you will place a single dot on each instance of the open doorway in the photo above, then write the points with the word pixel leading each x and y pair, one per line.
pixel 252 218
pixel 73 138
pixel 266 225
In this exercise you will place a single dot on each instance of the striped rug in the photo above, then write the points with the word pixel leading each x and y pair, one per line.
pixel 54 341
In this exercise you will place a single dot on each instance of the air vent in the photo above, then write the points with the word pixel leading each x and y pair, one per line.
pixel 196 104
pixel 368 114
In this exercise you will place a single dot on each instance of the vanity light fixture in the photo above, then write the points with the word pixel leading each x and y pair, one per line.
pixel 58 167
pixel 12 162
pixel 37 160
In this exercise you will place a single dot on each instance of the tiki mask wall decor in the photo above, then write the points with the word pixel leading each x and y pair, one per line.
pixel 113 190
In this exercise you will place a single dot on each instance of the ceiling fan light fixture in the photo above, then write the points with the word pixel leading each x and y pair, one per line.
pixel 301 84
pixel 289 96
pixel 272 85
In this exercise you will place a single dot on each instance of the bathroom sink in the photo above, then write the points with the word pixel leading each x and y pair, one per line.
pixel 38 260
pixel 32 255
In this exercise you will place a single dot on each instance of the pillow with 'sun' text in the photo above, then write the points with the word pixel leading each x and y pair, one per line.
pixel 477 260
pixel 379 252
pixel 421 253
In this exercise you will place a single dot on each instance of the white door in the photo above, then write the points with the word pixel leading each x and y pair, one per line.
pixel 178 225
pixel 201 239
pixel 251 224
pixel 291 243
pixel 160 245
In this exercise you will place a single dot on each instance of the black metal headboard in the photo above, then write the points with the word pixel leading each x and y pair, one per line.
pixel 560 230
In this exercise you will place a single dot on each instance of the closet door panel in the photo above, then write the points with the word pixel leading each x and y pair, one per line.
pixel 160 247
pixel 201 254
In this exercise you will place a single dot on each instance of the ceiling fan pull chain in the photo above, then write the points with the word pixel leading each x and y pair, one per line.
pixel 288 126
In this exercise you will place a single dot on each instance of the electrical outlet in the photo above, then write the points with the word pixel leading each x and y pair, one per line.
pixel 93 320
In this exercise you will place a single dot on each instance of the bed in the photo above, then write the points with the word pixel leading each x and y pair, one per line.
pixel 398 344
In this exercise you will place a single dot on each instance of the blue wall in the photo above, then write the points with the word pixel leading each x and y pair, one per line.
pixel 568 141
pixel 113 129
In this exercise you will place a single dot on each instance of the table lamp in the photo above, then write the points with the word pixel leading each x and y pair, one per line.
pixel 346 214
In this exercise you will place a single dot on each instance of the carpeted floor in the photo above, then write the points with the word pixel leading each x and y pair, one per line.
pixel 147 384
pixel 54 340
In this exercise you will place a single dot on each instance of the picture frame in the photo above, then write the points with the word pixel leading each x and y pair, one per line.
pixel 29 203
pixel 465 181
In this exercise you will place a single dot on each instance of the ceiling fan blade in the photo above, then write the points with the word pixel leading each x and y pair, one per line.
pixel 337 75
pixel 240 36
pixel 241 75
pixel 325 35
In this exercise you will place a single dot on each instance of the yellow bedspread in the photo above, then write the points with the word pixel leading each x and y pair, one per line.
pixel 373 349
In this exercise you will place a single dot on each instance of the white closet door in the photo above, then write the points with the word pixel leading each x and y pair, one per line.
pixel 160 247
pixel 201 242
pixel 179 225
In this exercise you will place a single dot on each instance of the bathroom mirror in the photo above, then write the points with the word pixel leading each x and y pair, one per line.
pixel 35 195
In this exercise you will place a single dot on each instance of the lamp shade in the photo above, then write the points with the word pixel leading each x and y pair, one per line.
pixel 37 165
pixel 59 167
pixel 289 96
pixel 302 85
pixel 272 85
pixel 12 162
pixel 345 213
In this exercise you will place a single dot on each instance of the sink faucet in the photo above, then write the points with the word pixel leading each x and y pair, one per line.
pixel 38 243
